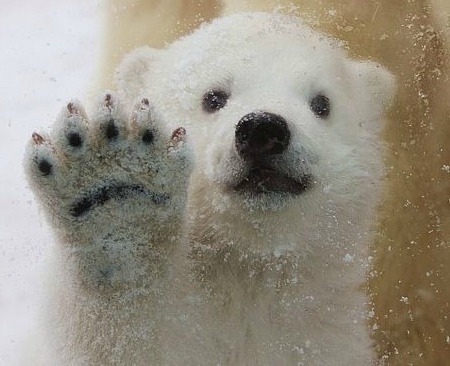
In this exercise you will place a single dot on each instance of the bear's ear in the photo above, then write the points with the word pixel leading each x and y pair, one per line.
pixel 131 73
pixel 377 81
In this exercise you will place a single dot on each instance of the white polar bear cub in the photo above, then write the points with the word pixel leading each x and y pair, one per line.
pixel 260 257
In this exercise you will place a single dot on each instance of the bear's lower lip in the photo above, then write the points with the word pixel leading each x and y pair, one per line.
pixel 266 180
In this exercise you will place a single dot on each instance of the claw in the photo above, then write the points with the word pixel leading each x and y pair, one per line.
pixel 108 101
pixel 72 108
pixel 178 137
pixel 38 139
pixel 179 134
pixel 145 104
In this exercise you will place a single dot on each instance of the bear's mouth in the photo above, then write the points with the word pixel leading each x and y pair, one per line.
pixel 260 180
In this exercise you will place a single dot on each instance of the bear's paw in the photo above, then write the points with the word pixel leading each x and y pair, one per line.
pixel 113 186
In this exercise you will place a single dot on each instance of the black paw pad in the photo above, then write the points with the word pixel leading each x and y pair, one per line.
pixel 98 196
pixel 45 167
pixel 74 139
pixel 111 130
pixel 148 137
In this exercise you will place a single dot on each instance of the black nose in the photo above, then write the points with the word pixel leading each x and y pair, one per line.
pixel 261 134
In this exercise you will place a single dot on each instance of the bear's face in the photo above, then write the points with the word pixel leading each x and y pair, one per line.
pixel 276 112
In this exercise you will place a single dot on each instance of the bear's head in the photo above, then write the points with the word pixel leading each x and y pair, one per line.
pixel 276 112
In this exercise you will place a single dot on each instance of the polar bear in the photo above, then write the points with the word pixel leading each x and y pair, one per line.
pixel 409 283
pixel 225 217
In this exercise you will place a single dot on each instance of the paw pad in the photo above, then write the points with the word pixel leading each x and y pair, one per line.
pixel 111 130
pixel 148 137
pixel 45 167
pixel 99 196
pixel 74 139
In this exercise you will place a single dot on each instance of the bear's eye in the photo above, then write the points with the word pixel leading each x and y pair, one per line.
pixel 320 105
pixel 214 100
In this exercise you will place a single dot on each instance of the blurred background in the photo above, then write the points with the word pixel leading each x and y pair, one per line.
pixel 48 54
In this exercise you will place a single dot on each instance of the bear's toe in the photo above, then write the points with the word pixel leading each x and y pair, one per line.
pixel 70 132
pixel 109 125
pixel 40 158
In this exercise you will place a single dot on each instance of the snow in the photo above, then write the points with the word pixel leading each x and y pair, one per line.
pixel 49 48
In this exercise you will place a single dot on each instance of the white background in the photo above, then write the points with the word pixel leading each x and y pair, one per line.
pixel 48 55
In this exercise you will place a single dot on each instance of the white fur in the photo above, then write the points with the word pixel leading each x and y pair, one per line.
pixel 274 279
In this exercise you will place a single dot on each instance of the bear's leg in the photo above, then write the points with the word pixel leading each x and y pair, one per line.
pixel 114 190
